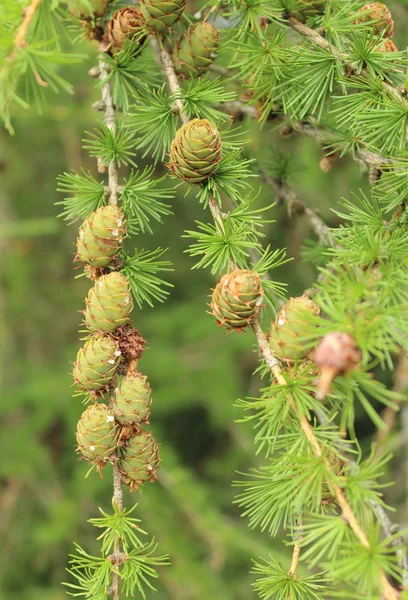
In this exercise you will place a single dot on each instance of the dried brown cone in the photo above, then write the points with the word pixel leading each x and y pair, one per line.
pixel 126 23
pixel 336 354
pixel 131 343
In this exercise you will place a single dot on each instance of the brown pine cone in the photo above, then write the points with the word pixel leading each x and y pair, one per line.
pixel 126 23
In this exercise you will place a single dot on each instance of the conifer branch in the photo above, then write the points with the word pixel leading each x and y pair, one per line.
pixel 20 39
pixel 349 67
pixel 271 360
pixel 110 122
pixel 113 183
pixel 296 206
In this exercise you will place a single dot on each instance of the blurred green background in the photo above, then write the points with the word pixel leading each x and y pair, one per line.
pixel 196 370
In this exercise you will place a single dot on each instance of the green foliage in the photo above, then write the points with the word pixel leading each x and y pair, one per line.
pixel 141 269
pixel 93 574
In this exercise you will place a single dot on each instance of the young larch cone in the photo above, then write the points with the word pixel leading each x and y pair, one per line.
pixel 195 152
pixel 237 299
pixel 109 303
pixel 194 53
pixel 97 434
pixel 87 9
pixel 139 459
pixel 377 16
pixel 96 363
pixel 291 324
pixel 127 23
pixel 337 353
pixel 161 14
pixel 132 400
pixel 101 236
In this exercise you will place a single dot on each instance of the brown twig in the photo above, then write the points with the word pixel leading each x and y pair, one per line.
pixel 296 206
pixel 29 12
pixel 271 360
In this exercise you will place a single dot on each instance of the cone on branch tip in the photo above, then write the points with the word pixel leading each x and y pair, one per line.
pixel 237 299
pixel 108 303
pixel 139 460
pixel 161 14
pixel 195 152
pixel 336 354
pixel 291 324
pixel 96 363
pixel 87 9
pixel 97 434
pixel 194 53
pixel 132 400
pixel 377 16
pixel 101 236
pixel 127 23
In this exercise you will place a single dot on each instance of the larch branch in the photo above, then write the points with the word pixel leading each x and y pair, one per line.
pixel 265 350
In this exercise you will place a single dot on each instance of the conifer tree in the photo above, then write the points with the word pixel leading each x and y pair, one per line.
pixel 328 70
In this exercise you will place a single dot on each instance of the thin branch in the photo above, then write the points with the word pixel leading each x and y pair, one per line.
pixel 271 360
pixel 320 41
pixel 110 122
pixel 113 183
pixel 29 12
pixel 296 206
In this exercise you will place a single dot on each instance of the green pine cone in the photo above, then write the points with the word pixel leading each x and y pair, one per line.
pixel 108 303
pixel 309 8
pixel 101 236
pixel 131 404
pixel 139 459
pixel 378 17
pixel 195 152
pixel 96 363
pixel 161 14
pixel 292 322
pixel 237 299
pixel 97 434
pixel 87 9
pixel 194 53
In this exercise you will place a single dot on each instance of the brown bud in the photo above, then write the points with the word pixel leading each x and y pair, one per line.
pixel 328 161
pixel 126 23
pixel 337 353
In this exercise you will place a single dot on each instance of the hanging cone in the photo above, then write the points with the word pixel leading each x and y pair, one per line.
pixel 378 17
pixel 237 299
pixel 101 236
pixel 96 363
pixel 195 152
pixel 291 324
pixel 337 353
pixel 97 434
pixel 108 303
pixel 132 400
pixel 161 14
pixel 194 53
pixel 139 459
pixel 126 24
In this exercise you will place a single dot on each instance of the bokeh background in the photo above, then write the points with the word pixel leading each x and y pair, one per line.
pixel 196 370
